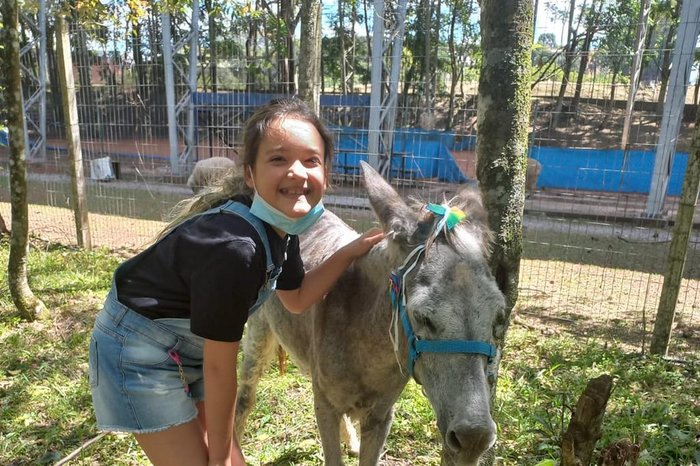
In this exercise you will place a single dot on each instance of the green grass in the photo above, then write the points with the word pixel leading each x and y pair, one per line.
pixel 45 406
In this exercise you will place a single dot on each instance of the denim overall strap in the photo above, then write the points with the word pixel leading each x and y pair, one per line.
pixel 233 207
pixel 272 272
pixel 236 208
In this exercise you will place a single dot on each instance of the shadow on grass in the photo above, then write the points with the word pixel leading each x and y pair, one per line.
pixel 605 251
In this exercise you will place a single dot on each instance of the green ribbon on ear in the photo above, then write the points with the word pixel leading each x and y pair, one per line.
pixel 454 215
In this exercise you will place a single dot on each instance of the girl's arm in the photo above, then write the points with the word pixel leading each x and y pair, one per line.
pixel 220 387
pixel 318 282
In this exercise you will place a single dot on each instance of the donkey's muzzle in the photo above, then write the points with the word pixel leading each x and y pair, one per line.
pixel 468 440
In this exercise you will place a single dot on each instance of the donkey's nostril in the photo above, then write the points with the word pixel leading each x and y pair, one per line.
pixel 471 439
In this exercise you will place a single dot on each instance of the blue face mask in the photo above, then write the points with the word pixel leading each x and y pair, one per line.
pixel 277 219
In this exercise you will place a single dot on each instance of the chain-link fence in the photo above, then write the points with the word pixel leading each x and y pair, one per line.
pixel 594 254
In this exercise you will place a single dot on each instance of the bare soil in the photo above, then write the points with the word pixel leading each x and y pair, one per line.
pixel 587 299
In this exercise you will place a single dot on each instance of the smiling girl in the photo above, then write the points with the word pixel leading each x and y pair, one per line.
pixel 171 325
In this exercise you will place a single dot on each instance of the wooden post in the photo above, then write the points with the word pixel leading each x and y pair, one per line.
pixel 679 249
pixel 75 153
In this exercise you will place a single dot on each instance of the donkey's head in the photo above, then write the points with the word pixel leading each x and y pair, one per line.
pixel 452 306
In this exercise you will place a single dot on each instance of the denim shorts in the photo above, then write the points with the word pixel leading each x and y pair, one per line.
pixel 145 375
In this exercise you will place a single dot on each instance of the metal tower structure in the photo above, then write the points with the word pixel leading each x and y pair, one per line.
pixel 387 44
pixel 682 61
pixel 34 104
pixel 184 105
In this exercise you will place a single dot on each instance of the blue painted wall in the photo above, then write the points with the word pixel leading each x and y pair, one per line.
pixel 603 170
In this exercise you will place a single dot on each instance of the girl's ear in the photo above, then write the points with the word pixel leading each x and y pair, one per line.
pixel 248 175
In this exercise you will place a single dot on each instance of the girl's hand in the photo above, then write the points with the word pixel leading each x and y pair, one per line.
pixel 364 243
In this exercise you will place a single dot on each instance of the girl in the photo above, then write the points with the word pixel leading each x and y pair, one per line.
pixel 170 328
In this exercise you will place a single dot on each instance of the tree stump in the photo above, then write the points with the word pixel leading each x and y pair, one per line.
pixel 584 428
pixel 621 453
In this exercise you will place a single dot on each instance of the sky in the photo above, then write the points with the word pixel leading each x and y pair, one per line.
pixel 546 24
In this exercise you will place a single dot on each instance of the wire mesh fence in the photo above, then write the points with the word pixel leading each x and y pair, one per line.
pixel 593 259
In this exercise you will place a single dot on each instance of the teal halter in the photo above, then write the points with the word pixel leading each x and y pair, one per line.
pixel 448 219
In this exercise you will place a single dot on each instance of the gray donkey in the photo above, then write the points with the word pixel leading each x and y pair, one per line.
pixel 361 343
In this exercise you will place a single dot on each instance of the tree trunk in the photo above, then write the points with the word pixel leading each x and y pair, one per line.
pixel 52 70
pixel 344 71
pixel 213 55
pixel 591 29
pixel 75 153
pixel 696 93
pixel 569 50
pixel 310 54
pixel 679 249
pixel 28 306
pixel 635 72
pixel 578 442
pixel 251 53
pixel 86 95
pixel 666 61
pixel 426 26
pixel 503 121
pixel 285 49
pixel 139 65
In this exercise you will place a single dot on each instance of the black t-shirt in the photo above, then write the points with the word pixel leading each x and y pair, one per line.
pixel 210 270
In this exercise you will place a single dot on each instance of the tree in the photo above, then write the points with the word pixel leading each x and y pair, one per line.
pixel 548 40
pixel 310 54
pixel 28 306
pixel 503 120
pixel 592 25
pixel 672 17
pixel 461 45
pixel 569 55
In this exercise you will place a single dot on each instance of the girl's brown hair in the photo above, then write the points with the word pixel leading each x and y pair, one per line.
pixel 255 129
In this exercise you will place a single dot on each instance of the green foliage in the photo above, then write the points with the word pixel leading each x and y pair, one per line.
pixel 547 40
pixel 45 405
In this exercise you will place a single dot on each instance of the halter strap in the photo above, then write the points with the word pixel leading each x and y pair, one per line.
pixel 449 218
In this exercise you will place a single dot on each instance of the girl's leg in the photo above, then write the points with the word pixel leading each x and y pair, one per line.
pixel 202 419
pixel 180 445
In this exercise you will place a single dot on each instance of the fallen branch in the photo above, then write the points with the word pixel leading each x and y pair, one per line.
pixel 77 451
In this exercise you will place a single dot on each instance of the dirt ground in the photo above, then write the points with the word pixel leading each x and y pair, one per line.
pixel 591 301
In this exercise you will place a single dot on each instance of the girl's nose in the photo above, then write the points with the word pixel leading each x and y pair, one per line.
pixel 297 169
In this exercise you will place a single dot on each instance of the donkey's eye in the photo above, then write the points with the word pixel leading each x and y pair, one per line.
pixel 426 322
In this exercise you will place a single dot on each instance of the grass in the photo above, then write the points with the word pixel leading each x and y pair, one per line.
pixel 45 406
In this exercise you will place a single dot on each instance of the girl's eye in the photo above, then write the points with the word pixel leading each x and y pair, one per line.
pixel 315 161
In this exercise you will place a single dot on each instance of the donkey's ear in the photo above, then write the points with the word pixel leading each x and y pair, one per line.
pixel 392 211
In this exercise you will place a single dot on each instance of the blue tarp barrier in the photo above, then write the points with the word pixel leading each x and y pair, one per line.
pixel 604 170
pixel 421 154
pixel 417 154
pixel 4 137
pixel 254 99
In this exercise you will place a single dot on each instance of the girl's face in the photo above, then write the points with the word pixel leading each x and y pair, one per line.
pixel 289 172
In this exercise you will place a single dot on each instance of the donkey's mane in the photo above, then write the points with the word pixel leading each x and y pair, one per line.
pixel 476 223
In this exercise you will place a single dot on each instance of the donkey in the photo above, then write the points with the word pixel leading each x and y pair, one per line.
pixel 355 344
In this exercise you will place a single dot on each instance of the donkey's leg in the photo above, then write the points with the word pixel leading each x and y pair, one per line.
pixel 328 420
pixel 259 344
pixel 373 432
